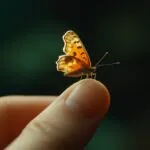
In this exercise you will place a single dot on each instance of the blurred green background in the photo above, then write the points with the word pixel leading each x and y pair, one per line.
pixel 31 41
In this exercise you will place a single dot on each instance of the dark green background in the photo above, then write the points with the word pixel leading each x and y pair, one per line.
pixel 31 41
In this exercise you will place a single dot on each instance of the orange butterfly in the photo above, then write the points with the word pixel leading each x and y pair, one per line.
pixel 76 61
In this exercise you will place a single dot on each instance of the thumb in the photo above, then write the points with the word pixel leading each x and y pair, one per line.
pixel 69 122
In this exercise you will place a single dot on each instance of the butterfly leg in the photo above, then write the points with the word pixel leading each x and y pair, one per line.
pixel 81 77
pixel 87 75
pixel 93 75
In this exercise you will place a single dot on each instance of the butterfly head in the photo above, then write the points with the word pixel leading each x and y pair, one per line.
pixel 93 69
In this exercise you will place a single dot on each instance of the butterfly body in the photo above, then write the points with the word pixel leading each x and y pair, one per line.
pixel 81 72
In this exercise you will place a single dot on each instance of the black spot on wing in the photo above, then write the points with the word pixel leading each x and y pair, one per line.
pixel 74 53
pixel 76 42
pixel 79 47
pixel 68 59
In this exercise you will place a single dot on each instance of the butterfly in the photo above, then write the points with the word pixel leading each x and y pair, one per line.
pixel 76 61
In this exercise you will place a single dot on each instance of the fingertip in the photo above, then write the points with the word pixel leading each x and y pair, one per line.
pixel 90 97
pixel 104 93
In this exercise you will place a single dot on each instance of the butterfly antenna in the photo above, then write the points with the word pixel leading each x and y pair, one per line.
pixel 101 59
pixel 115 63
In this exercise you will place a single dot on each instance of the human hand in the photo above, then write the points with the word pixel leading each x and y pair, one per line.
pixel 66 122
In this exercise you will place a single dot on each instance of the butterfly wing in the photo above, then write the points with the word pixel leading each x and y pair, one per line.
pixel 74 47
pixel 70 65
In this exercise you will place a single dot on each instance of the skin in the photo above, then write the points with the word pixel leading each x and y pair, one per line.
pixel 64 122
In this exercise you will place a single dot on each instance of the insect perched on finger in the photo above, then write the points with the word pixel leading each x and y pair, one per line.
pixel 76 61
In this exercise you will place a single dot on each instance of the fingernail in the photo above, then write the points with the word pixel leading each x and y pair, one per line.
pixel 89 98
